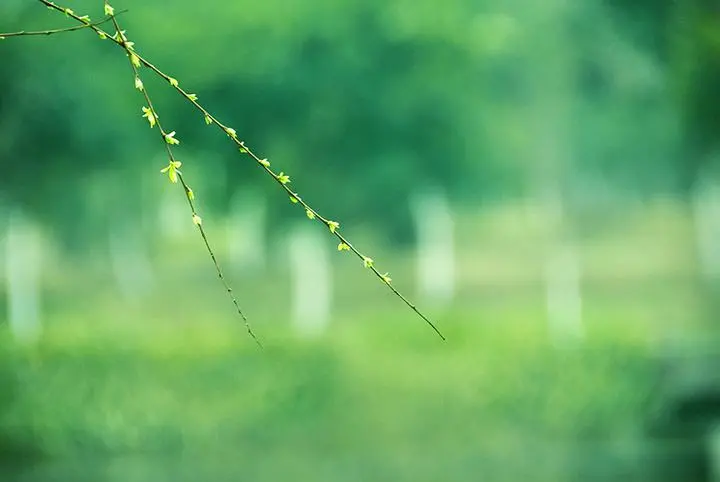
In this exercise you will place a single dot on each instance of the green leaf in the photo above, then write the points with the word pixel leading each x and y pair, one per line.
pixel 150 116
pixel 172 170
pixel 170 138
pixel 368 262
pixel 109 10
pixel 333 225
pixel 283 178
pixel 135 60
pixel 173 81
pixel 343 247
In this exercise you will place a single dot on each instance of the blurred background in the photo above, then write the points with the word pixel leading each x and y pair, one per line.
pixel 541 178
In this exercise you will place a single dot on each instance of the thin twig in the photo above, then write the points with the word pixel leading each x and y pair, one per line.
pixel 280 178
pixel 24 33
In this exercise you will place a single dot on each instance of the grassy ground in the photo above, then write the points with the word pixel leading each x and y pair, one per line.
pixel 169 387
pixel 359 404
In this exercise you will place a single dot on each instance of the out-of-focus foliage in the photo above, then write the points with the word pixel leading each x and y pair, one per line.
pixel 16 441
pixel 359 100
pixel 685 36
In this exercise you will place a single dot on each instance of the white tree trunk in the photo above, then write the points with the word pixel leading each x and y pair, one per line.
pixel 131 265
pixel 563 295
pixel 563 276
pixel 435 246
pixel 246 231
pixel 23 250
pixel 311 281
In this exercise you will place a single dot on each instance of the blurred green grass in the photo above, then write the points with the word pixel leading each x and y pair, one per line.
pixel 410 405
pixel 170 387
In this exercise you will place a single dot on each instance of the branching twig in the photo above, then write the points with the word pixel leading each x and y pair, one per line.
pixel 281 178
pixel 24 33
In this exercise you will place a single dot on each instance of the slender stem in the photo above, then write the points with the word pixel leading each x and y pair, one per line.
pixel 24 33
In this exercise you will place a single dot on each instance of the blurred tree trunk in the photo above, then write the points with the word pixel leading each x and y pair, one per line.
pixel 554 94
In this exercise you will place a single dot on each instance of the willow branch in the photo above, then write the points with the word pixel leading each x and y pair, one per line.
pixel 280 178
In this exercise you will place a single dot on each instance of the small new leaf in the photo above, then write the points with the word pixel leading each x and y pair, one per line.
pixel 173 81
pixel 293 200
pixel 190 194
pixel 192 97
pixel 386 278
pixel 208 120
pixel 333 225
pixel 135 60
pixel 170 138
pixel 343 247
pixel 283 178
pixel 231 132
pixel 197 220
pixel 172 170
pixel 109 10
pixel 85 18
pixel 138 84
pixel 150 116
pixel 264 162
pixel 368 262
pixel 310 214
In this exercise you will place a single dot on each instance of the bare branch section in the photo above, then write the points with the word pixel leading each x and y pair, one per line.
pixel 86 19
pixel 281 178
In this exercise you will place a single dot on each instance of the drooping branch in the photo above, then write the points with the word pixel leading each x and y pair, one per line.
pixel 282 179
pixel 168 139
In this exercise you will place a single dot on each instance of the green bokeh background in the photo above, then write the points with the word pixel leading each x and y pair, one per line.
pixel 610 105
